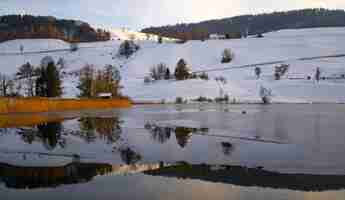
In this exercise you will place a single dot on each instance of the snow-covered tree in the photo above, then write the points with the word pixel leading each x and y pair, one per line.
pixel 227 56
pixel 265 94
pixel 127 48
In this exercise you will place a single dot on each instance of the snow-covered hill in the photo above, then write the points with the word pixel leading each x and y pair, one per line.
pixel 124 34
pixel 286 45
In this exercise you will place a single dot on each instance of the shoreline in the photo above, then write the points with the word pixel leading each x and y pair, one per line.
pixel 41 105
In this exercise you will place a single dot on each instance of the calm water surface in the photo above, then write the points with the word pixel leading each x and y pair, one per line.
pixel 176 152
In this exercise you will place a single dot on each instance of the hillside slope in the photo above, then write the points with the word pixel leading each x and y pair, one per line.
pixel 254 24
pixel 287 46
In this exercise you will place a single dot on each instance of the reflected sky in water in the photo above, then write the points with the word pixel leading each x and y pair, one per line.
pixel 298 139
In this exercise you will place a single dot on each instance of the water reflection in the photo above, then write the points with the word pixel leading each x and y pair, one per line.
pixel 19 177
pixel 244 176
pixel 162 134
pixel 159 134
pixel 129 156
pixel 105 128
pixel 227 148
pixel 47 133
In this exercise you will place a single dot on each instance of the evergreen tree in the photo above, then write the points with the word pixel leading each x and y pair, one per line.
pixel 182 71
pixel 167 74
pixel 48 83
pixel 86 79
pixel 317 74
pixel 53 81
pixel 127 48
pixel 41 80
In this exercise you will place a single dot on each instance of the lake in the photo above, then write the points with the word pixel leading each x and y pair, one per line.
pixel 206 151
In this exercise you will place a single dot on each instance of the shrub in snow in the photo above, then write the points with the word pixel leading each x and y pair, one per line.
pixel 317 74
pixel 257 72
pixel 74 47
pixel 147 79
pixel 160 72
pixel 221 79
pixel 160 40
pixel 179 100
pixel 227 56
pixel 260 35
pixel 266 95
pixel 204 76
pixel 182 72
pixel 280 71
pixel 127 48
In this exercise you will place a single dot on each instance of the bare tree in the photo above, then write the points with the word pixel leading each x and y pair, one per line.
pixel 159 72
pixel 27 73
pixel 6 84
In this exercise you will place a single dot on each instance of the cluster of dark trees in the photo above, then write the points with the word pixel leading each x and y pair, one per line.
pixel 253 24
pixel 160 72
pixel 105 128
pixel 94 82
pixel 28 26
pixel 162 134
pixel 42 81
pixel 128 48
pixel 182 72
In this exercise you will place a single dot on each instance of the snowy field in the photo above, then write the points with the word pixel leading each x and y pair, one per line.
pixel 285 45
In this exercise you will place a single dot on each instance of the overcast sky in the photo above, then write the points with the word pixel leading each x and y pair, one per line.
pixel 137 14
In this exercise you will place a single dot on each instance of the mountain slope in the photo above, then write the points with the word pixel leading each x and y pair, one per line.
pixel 254 24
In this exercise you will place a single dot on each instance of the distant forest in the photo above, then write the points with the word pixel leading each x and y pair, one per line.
pixel 253 24
pixel 28 26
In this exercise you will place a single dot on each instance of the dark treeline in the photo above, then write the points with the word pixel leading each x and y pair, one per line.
pixel 28 26
pixel 253 24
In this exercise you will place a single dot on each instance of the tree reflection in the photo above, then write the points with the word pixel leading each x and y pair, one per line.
pixel 227 148
pixel 108 129
pixel 183 135
pixel 19 177
pixel 162 134
pixel 159 134
pixel 51 135
pixel 48 133
pixel 129 156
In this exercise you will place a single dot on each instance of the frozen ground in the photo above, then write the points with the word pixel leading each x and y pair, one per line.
pixel 285 45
